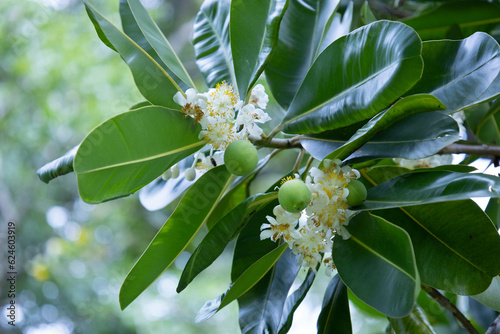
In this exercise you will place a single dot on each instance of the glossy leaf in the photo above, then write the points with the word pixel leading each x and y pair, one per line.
pixel 403 108
pixel 472 67
pixel 469 16
pixel 261 307
pixel 211 43
pixel 430 187
pixel 300 36
pixel 220 235
pixel 141 28
pixel 487 130
pixel 244 283
pixel 118 157
pixel 493 211
pixel 61 166
pixel 491 297
pixel 414 323
pixel 254 28
pixel 293 302
pixel 414 137
pixel 337 26
pixel 335 316
pixel 453 242
pixel 176 234
pixel 367 15
pixel 373 66
pixel 393 283
pixel 151 79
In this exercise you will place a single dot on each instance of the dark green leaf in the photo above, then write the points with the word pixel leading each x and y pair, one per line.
pixel 176 234
pixel 467 16
pixel 244 283
pixel 61 166
pixel 300 35
pixel 491 297
pixel 254 28
pixel 469 76
pixel 293 301
pixel 393 283
pixel 151 79
pixel 211 42
pixel 414 137
pixel 493 211
pixel 367 15
pixel 220 235
pixel 141 28
pixel 261 307
pixel 335 316
pixel 487 130
pixel 453 242
pixel 414 323
pixel 403 108
pixel 118 157
pixel 430 187
pixel 373 66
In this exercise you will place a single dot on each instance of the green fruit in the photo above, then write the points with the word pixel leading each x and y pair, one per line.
pixel 241 157
pixel 294 196
pixel 357 193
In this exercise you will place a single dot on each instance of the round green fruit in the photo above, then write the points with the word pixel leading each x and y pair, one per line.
pixel 357 193
pixel 294 196
pixel 241 157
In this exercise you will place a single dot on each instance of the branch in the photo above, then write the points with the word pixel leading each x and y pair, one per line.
pixel 494 328
pixel 278 143
pixel 445 302
pixel 479 150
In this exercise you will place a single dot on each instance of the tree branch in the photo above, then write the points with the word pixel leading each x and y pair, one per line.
pixel 445 302
pixel 277 142
pixel 494 327
pixel 479 150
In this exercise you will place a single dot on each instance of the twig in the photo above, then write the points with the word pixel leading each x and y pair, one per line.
pixel 494 327
pixel 299 160
pixel 479 150
pixel 445 302
pixel 308 166
pixel 277 142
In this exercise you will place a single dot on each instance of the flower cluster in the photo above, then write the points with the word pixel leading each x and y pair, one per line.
pixel 223 118
pixel 222 115
pixel 310 233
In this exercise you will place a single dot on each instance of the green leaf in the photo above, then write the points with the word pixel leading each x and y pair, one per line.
pixel 293 301
pixel 414 323
pixel 244 283
pixel 367 15
pixel 414 137
pixel 176 234
pixel 491 297
pixel 141 28
pixel 373 66
pixel 211 43
pixel 335 316
pixel 151 79
pixel 261 307
pixel 487 130
pixel 469 76
pixel 254 28
pixel 401 109
pixel 220 235
pixel 119 157
pixel 430 187
pixel 493 211
pixel 469 16
pixel 393 283
pixel 61 166
pixel 453 242
pixel 299 39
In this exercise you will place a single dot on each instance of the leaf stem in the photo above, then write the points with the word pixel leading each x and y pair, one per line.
pixel 277 143
pixel 445 302
pixel 308 166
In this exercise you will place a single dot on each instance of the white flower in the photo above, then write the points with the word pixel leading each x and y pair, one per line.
pixel 283 226
pixel 193 104
pixel 248 116
pixel 258 97
pixel 209 162
pixel 217 132
pixel 221 101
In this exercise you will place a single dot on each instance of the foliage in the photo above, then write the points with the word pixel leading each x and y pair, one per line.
pixel 359 98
